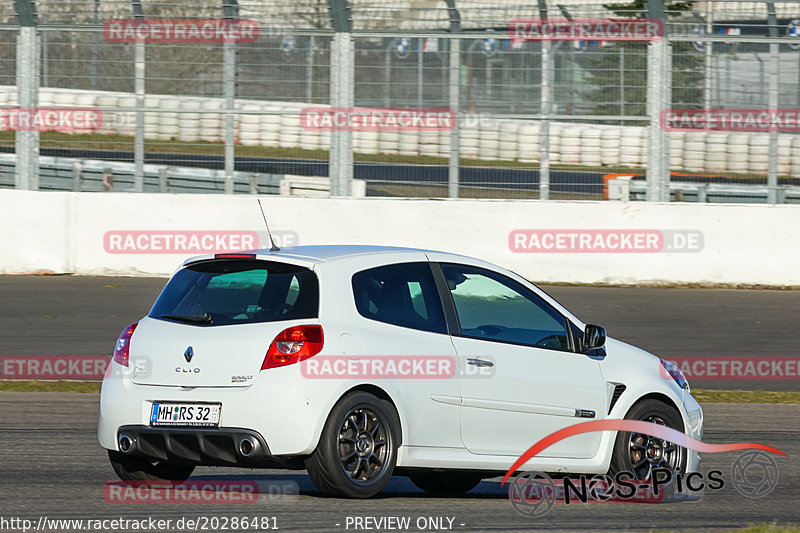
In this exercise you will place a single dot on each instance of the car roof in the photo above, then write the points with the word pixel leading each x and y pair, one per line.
pixel 331 252
pixel 310 254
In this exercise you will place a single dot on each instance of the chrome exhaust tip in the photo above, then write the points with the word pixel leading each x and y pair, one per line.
pixel 125 442
pixel 246 447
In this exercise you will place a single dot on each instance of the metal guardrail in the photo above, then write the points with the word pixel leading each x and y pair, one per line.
pixel 68 174
pixel 636 190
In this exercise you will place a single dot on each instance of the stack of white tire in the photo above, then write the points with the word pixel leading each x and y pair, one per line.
pixel 444 143
pixel 592 147
pixel 716 152
pixel 611 146
pixel 554 151
pixel 389 142
pixel 189 119
pixel 676 140
pixel 212 121
pixel 489 140
pixel 248 132
pixel 694 151
pixel 795 157
pixel 289 135
pixel 633 146
pixel 468 141
pixel 570 145
pixel 85 99
pixel 528 142
pixel 270 124
pixel 508 147
pixel 759 153
pixel 126 118
pixel 784 154
pixel 169 118
pixel 409 143
pixel 738 152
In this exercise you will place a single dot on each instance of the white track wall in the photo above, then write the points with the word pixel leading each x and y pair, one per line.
pixel 62 232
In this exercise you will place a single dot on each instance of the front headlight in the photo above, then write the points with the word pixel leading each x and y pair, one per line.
pixel 675 373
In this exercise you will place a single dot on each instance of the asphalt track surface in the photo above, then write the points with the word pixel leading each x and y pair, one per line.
pixel 51 465
pixel 76 315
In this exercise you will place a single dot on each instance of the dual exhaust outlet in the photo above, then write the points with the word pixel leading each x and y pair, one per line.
pixel 246 446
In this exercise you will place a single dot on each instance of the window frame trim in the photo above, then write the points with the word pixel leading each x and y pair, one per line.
pixel 436 294
pixel 207 262
pixel 452 312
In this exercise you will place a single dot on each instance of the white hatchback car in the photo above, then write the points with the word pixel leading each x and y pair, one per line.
pixel 218 374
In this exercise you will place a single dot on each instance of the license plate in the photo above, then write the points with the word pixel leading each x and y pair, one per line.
pixel 185 414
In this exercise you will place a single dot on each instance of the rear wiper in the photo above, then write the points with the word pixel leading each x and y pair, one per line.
pixel 205 318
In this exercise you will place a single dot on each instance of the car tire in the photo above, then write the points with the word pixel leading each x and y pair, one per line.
pixel 357 450
pixel 632 450
pixel 444 481
pixel 130 468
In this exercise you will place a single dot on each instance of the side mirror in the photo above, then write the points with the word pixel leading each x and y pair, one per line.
pixel 594 337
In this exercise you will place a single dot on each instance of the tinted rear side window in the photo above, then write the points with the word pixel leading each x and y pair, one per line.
pixel 403 294
pixel 218 293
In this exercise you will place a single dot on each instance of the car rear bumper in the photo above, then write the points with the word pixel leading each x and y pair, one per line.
pixel 280 408
pixel 196 446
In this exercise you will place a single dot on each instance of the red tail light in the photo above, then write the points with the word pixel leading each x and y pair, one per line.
pixel 293 345
pixel 123 348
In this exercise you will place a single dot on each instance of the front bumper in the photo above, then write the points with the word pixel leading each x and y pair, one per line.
pixel 693 420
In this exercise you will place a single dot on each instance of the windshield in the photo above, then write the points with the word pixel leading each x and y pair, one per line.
pixel 217 293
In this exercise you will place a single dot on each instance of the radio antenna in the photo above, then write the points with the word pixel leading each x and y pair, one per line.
pixel 271 241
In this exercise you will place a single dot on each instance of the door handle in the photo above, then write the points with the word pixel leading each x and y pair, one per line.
pixel 479 362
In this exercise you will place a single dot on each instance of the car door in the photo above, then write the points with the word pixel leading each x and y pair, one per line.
pixel 398 313
pixel 520 378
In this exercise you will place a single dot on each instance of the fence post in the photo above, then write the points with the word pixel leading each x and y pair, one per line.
pixel 707 57
pixel 387 75
pixel 545 109
pixel 666 147
pixel 657 167
pixel 312 45
pixel 454 53
pixel 27 142
pixel 139 87
pixel 229 92
pixel 231 11
pixel 455 106
pixel 772 102
pixel 544 130
pixel 340 164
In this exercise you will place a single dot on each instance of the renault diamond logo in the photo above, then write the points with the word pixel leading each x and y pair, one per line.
pixel 188 354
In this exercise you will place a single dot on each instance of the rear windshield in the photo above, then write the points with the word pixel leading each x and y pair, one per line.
pixel 218 293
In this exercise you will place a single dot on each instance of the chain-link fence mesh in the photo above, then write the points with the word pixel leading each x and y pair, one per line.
pixel 207 112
